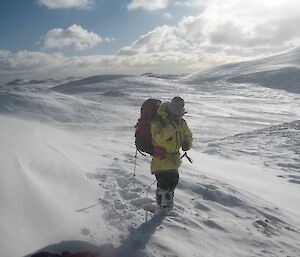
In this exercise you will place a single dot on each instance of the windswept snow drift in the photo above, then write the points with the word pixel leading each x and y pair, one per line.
pixel 287 78
pixel 67 166
pixel 264 145
pixel 43 183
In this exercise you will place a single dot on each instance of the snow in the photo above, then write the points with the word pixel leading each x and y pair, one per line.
pixel 42 186
pixel 280 72
pixel 67 165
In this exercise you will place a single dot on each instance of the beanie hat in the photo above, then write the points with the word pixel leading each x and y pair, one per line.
pixel 176 106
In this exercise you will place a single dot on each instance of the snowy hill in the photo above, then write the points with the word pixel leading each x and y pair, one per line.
pixel 67 167
pixel 28 82
pixel 265 145
pixel 280 72
pixel 86 83
pixel 163 76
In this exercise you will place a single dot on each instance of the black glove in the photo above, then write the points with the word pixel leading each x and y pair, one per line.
pixel 185 146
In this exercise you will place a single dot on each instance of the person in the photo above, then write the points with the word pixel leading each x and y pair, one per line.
pixel 170 132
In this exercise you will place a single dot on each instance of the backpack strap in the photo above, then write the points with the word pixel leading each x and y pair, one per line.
pixel 141 152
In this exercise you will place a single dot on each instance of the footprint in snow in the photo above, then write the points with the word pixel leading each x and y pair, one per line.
pixel 122 202
pixel 85 231
pixel 266 227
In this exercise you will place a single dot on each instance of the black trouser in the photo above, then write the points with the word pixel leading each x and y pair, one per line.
pixel 167 180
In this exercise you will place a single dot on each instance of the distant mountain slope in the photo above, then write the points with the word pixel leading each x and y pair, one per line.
pixel 276 145
pixel 28 82
pixel 163 76
pixel 280 71
pixel 116 86
pixel 86 84
pixel 287 78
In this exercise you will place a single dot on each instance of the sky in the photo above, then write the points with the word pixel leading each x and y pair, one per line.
pixel 60 38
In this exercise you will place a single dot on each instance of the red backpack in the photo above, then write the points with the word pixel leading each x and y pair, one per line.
pixel 143 138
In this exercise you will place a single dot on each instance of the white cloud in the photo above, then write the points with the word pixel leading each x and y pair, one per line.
pixel 250 24
pixel 67 4
pixel 74 35
pixel 227 24
pixel 4 54
pixel 245 25
pixel 109 39
pixel 193 29
pixel 159 40
pixel 39 65
pixel 191 3
pixel 238 28
pixel 167 16
pixel 149 5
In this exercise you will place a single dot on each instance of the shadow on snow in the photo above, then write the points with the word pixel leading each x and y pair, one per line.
pixel 132 246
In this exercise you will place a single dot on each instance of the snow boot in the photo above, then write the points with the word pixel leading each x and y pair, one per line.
pixel 164 198
pixel 158 196
pixel 170 199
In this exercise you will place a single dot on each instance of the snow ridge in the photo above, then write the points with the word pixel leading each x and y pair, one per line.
pixel 279 72
pixel 263 145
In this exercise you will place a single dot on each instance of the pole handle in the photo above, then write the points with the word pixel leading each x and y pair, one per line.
pixel 186 155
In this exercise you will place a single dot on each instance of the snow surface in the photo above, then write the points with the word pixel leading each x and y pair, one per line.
pixel 281 71
pixel 67 165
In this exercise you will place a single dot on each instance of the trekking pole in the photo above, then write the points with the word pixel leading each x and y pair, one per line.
pixel 135 157
pixel 146 217
pixel 186 155
pixel 149 188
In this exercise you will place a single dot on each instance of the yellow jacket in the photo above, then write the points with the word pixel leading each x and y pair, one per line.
pixel 170 136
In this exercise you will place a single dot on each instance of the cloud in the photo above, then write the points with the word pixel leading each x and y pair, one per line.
pixel 149 5
pixel 192 29
pixel 4 54
pixel 236 28
pixel 109 39
pixel 67 4
pixel 74 35
pixel 159 40
pixel 40 65
pixel 190 3
pixel 249 24
pixel 245 25
pixel 167 16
